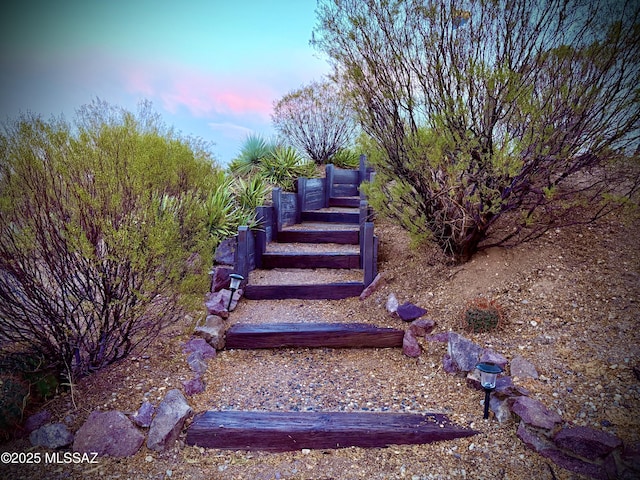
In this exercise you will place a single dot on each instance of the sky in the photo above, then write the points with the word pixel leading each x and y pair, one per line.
pixel 211 68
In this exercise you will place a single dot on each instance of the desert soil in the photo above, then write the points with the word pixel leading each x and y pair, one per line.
pixel 572 308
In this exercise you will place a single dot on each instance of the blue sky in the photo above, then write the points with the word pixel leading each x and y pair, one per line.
pixel 212 68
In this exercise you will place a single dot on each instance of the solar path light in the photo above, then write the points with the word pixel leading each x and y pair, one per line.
pixel 235 284
pixel 488 376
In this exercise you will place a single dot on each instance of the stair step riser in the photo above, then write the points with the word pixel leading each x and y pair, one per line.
pixel 329 291
pixel 338 261
pixel 314 236
pixel 331 217
pixel 288 431
pixel 312 335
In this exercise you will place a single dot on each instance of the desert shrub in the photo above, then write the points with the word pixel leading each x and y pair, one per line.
pixel 482 315
pixel 254 150
pixel 97 221
pixel 284 166
pixel 14 393
pixel 346 158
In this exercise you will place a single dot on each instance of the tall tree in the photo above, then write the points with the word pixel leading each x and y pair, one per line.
pixel 489 109
pixel 315 119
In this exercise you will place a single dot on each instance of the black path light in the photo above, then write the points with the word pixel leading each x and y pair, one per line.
pixel 236 279
pixel 488 376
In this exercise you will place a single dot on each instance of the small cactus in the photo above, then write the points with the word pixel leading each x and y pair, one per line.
pixel 482 315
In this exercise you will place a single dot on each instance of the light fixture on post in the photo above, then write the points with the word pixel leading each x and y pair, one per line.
pixel 236 279
pixel 488 376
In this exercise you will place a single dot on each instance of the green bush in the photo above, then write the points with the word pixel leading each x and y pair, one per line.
pixel 284 166
pixel 97 221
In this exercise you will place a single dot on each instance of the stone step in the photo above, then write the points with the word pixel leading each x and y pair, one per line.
pixel 287 431
pixel 312 335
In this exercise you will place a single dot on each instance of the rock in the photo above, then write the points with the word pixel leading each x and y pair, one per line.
pixel 372 287
pixel 408 311
pixel 108 433
pixel 534 413
pixel 193 386
pixel 506 388
pixel 473 380
pixel 213 331
pixel 422 327
pixel 37 420
pixel 410 346
pixel 533 439
pixel 226 251
pixel 199 345
pixel 463 352
pixel 489 356
pixel 392 304
pixel 630 462
pixel 500 407
pixel 197 363
pixel 448 365
pixel 522 368
pixel 442 337
pixel 144 415
pixel 167 424
pixel 217 305
pixel 586 442
pixel 51 435
pixel 220 278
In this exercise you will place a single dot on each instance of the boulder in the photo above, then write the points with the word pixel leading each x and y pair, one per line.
pixel 410 346
pixel 167 424
pixel 463 352
pixel 489 356
pixel 522 368
pixel 216 304
pixel 422 327
pixel 199 345
pixel 51 435
pixel 586 442
pixel 193 386
pixel 226 251
pixel 220 278
pixel 37 420
pixel 372 287
pixel 212 331
pixel 197 363
pixel 409 312
pixel 534 413
pixel 144 415
pixel 108 433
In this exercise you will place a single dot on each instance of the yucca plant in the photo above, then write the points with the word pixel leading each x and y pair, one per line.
pixel 251 193
pixel 284 166
pixel 346 158
pixel 255 150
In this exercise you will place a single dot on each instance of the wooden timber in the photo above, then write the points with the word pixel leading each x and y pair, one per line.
pixel 345 237
pixel 310 260
pixel 326 216
pixel 287 431
pixel 327 291
pixel 312 335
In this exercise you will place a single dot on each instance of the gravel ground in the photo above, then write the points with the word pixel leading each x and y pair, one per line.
pixel 572 307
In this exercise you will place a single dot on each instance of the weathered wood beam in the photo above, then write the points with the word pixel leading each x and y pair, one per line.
pixel 287 431
pixel 310 260
pixel 332 217
pixel 325 291
pixel 312 335
pixel 343 237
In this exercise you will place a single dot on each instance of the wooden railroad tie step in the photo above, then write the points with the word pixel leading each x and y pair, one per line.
pixel 345 237
pixel 324 291
pixel 286 431
pixel 312 335
pixel 310 260
pixel 344 202
pixel 327 216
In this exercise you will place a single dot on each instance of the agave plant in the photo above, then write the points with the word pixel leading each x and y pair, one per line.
pixel 251 193
pixel 345 158
pixel 254 151
pixel 284 166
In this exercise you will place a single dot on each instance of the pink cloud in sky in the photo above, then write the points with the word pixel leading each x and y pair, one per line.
pixel 203 94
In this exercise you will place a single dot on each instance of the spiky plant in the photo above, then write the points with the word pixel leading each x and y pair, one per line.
pixel 251 193
pixel 482 315
pixel 346 158
pixel 284 166
pixel 254 151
